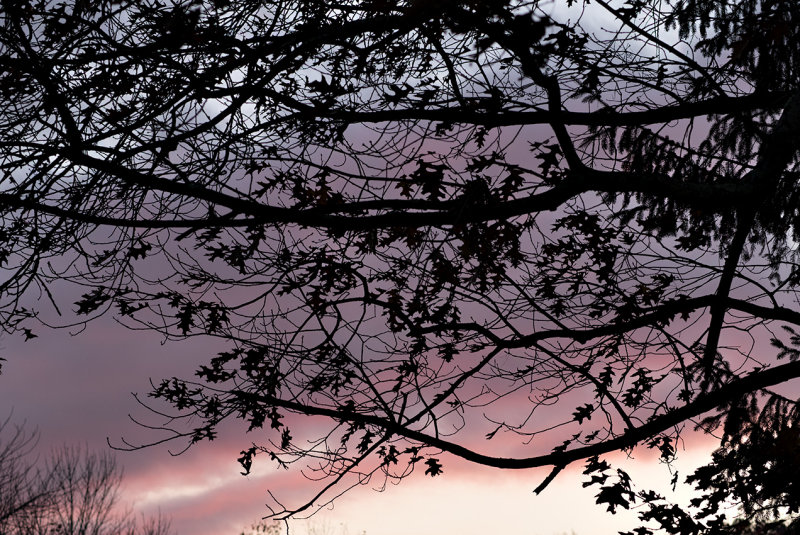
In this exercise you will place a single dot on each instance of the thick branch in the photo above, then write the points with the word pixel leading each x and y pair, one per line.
pixel 777 152
pixel 450 212
pixel 702 404
pixel 599 118
pixel 662 314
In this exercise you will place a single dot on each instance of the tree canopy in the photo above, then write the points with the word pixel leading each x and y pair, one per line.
pixel 524 233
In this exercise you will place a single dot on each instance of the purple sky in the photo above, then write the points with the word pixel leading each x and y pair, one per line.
pixel 77 389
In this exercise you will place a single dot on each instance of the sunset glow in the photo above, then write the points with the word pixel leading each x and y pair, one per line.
pixel 399 267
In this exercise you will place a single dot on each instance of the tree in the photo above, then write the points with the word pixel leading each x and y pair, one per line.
pixel 86 487
pixel 276 528
pixel 76 492
pixel 421 222
pixel 20 493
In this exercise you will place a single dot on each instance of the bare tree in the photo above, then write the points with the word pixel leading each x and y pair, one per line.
pixel 567 227
pixel 310 528
pixel 263 528
pixel 87 486
pixel 75 492
pixel 21 495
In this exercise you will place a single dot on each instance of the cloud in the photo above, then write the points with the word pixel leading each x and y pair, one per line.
pixel 77 390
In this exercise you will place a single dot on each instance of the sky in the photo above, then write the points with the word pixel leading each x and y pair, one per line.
pixel 76 389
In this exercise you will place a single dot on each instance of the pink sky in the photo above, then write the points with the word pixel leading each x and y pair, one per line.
pixel 76 389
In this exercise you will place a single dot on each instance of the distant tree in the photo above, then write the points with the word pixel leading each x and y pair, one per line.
pixel 75 492
pixel 264 527
pixel 573 224
pixel 86 490
pixel 21 495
